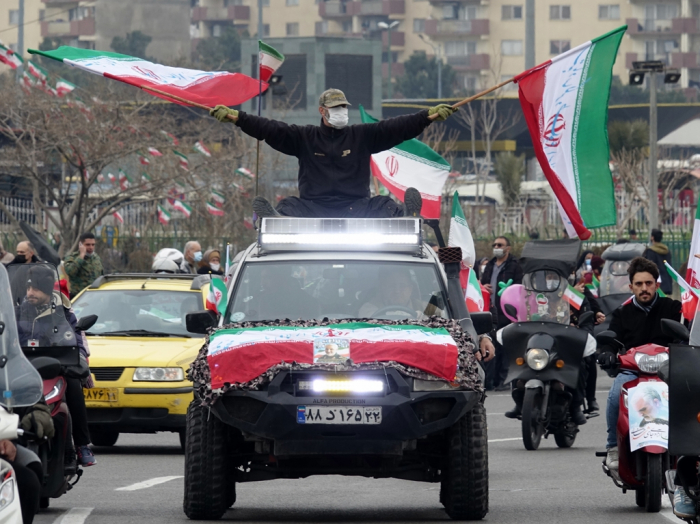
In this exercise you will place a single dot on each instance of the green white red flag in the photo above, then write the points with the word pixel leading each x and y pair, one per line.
pixel 573 296
pixel 163 215
pixel 689 295
pixel 171 138
pixel 270 60
pixel 184 161
pixel 27 80
pixel 38 72
pixel 213 210
pixel 203 87
pixel 201 148
pixel 63 87
pixel 411 164
pixel 183 208
pixel 245 173
pixel 692 275
pixel 154 152
pixel 217 297
pixel 565 102
pixel 10 58
pixel 474 297
pixel 460 234
pixel 217 197
pixel 144 160
pixel 124 180
pixel 118 217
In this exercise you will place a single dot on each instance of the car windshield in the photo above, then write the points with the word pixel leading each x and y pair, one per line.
pixel 147 311
pixel 314 290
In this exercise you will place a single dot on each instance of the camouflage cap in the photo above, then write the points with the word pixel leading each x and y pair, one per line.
pixel 332 98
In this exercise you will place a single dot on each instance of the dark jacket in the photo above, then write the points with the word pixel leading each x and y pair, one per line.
pixel 635 327
pixel 509 270
pixel 657 253
pixel 334 164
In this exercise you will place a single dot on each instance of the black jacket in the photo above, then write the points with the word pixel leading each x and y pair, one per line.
pixel 657 253
pixel 334 164
pixel 635 327
pixel 510 270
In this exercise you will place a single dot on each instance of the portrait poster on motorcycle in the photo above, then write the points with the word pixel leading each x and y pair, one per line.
pixel 648 411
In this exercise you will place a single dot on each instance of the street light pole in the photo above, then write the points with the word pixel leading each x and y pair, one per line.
pixel 653 176
pixel 389 27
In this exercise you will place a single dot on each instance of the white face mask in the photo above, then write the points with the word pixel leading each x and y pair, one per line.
pixel 498 252
pixel 338 117
pixel 215 267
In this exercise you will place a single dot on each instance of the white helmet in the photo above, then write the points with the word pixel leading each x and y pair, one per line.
pixel 167 260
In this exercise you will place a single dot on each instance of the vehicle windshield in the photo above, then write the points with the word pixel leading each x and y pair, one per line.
pixel 318 289
pixel 139 311
pixel 539 298
pixel 614 278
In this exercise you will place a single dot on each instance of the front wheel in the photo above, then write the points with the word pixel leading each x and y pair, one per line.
pixel 532 410
pixel 653 483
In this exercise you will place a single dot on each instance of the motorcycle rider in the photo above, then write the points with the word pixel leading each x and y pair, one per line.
pixel 36 328
pixel 635 323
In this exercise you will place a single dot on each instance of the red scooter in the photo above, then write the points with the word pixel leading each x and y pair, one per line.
pixel 642 425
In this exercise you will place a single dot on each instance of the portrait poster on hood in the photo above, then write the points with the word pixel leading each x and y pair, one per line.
pixel 648 415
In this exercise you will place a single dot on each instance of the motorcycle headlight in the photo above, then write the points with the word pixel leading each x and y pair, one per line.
pixel 7 493
pixel 158 374
pixel 58 386
pixel 537 359
pixel 650 363
pixel 433 385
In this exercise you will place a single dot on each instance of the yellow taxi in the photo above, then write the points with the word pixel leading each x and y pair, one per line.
pixel 140 352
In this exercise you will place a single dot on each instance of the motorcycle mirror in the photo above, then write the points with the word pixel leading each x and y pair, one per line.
pixel 48 368
pixel 674 329
pixel 86 323
pixel 510 309
pixel 200 322
pixel 607 337
pixel 483 323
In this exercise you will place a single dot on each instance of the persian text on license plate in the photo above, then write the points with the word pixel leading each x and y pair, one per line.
pixel 101 394
pixel 339 415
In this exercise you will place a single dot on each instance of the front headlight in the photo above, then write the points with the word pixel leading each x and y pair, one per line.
pixel 7 493
pixel 341 385
pixel 158 374
pixel 537 359
pixel 432 385
pixel 58 386
pixel 650 363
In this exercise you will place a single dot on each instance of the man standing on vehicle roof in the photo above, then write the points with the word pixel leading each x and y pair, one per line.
pixel 635 323
pixel 334 158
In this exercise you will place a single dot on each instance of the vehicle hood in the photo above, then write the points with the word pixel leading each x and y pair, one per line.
pixel 143 351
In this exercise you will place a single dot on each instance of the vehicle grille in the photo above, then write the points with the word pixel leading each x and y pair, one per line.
pixel 107 374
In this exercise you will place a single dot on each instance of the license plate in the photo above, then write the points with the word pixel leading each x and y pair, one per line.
pixel 101 394
pixel 339 415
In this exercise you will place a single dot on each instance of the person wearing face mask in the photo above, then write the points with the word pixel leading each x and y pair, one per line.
pixel 25 253
pixel 83 266
pixel 193 256
pixel 211 263
pixel 502 268
pixel 334 158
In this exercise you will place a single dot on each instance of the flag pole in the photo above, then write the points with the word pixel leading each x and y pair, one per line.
pixel 257 153
pixel 478 95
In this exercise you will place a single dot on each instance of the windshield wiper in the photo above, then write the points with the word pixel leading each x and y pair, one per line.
pixel 139 333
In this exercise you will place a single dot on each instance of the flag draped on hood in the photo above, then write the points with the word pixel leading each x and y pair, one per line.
pixel 565 102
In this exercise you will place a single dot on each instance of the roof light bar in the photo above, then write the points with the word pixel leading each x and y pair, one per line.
pixel 340 234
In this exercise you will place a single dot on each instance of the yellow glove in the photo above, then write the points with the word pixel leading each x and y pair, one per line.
pixel 443 111
pixel 221 113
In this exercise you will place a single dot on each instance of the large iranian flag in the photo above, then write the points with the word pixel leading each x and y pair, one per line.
pixel 240 355
pixel 203 87
pixel 270 60
pixel 411 164
pixel 565 102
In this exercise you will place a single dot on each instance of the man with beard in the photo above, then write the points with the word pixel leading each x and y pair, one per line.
pixel 635 323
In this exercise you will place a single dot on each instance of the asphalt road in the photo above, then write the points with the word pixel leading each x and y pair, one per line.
pixel 545 486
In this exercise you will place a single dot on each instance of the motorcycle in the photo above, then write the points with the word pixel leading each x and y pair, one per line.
pixel 642 424
pixel 544 352
pixel 53 351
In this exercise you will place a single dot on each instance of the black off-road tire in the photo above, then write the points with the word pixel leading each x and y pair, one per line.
pixel 103 437
pixel 653 483
pixel 465 476
pixel 206 490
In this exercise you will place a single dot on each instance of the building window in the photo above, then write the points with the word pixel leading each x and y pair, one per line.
pixel 660 11
pixel 292 3
pixel 450 12
pixel 419 25
pixel 321 27
pixel 557 47
pixel 266 29
pixel 460 48
pixel 347 26
pixel 511 12
pixel 266 3
pixel 293 29
pixel 14 17
pixel 511 47
pixel 509 87
pixel 609 12
pixel 42 14
pixel 352 74
pixel 232 2
pixel 560 12
pixel 216 30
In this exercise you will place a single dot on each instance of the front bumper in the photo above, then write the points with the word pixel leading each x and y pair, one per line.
pixel 136 420
pixel 406 416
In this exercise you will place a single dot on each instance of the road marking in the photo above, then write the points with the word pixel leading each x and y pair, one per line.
pixel 504 439
pixel 74 516
pixel 149 483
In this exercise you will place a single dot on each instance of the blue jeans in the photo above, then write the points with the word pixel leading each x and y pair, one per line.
pixel 613 409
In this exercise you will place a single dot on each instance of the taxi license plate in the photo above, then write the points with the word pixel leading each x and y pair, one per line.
pixel 101 394
pixel 339 415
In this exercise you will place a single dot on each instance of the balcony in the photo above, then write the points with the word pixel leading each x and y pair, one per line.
pixel 689 60
pixel 336 9
pixel 398 38
pixel 381 7
pixel 75 28
pixel 231 13
pixel 475 62
pixel 651 26
pixel 690 26
pixel 450 28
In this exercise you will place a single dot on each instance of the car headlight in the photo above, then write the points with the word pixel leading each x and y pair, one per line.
pixel 158 374
pixel 7 493
pixel 340 385
pixel 537 359
pixel 650 363
pixel 432 385
pixel 55 391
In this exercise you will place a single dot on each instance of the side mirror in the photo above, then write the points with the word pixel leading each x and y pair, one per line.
pixel 674 329
pixel 200 322
pixel 86 323
pixel 483 323
pixel 510 309
pixel 586 318
pixel 607 337
pixel 48 368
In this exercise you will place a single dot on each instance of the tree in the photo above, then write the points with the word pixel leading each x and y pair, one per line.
pixel 631 136
pixel 420 77
pixel 509 170
pixel 134 44
pixel 220 53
